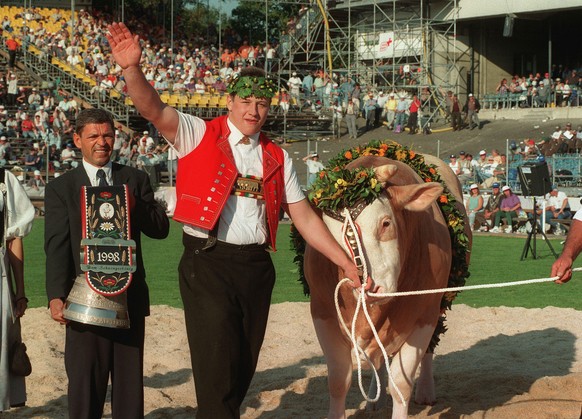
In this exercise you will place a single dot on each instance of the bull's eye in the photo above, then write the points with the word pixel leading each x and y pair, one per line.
pixel 386 223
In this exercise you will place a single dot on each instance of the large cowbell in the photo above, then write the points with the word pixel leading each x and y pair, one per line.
pixel 99 296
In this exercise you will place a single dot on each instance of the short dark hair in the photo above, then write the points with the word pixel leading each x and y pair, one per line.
pixel 253 72
pixel 93 116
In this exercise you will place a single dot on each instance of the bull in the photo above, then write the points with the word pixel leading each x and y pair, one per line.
pixel 407 246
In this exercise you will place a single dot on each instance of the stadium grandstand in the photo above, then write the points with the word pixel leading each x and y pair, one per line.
pixel 323 51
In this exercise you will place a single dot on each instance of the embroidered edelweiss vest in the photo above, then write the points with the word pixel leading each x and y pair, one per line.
pixel 207 176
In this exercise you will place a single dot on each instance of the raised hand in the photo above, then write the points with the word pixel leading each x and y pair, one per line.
pixel 125 46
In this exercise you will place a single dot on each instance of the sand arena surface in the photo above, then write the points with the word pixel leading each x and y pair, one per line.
pixel 492 363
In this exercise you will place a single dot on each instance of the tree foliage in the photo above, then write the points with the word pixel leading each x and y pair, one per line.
pixel 251 17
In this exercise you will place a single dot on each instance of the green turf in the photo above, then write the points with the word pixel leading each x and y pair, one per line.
pixel 494 259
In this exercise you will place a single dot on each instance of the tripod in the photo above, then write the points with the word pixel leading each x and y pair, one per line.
pixel 530 242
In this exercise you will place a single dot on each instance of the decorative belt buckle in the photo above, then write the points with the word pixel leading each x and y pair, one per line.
pixel 249 186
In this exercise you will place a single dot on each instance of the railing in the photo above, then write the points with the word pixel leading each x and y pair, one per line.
pixel 523 100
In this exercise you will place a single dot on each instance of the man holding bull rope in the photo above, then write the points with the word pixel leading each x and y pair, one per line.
pixel 232 182
pixel 562 267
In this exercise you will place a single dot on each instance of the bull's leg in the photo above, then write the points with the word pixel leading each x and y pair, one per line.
pixel 404 366
pixel 425 393
pixel 339 365
pixel 382 401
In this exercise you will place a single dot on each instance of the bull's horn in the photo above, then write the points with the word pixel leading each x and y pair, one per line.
pixel 385 172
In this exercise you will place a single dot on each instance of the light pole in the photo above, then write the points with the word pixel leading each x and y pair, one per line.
pixel 172 30
pixel 266 31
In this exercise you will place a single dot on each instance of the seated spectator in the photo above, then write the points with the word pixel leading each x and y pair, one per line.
pixel 454 164
pixel 33 160
pixel 37 181
pixel 55 156
pixel 557 206
pixel 491 207
pixel 510 205
pixel 474 204
pixel 124 153
pixel 466 168
pixel 34 100
pixel 28 128
pixel 68 157
pixel 12 127
pixel 4 151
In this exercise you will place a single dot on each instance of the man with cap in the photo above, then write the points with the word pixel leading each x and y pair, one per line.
pixel 390 110
pixel 34 100
pixel 146 141
pixel 232 184
pixel 294 84
pixel 454 164
pixel 313 167
pixel 401 108
pixel 492 206
pixel 68 157
pixel 472 108
pixel 465 166
pixel 510 205
pixel 543 94
pixel 370 105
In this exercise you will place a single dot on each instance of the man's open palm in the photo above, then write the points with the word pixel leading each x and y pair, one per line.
pixel 124 45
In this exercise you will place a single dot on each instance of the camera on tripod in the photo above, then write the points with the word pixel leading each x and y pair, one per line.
pixel 534 179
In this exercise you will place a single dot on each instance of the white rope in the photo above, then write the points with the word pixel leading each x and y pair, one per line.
pixel 361 304
pixel 468 287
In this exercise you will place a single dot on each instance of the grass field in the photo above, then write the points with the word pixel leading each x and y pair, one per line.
pixel 494 259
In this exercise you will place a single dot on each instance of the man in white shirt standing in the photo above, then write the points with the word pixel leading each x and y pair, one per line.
pixel 295 88
pixel 232 183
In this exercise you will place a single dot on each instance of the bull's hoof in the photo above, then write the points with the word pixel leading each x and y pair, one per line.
pixel 425 394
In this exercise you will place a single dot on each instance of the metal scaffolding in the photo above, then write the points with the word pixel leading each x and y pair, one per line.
pixel 389 45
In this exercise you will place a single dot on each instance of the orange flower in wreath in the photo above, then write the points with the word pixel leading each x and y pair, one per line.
pixel 322 174
pixel 443 199
pixel 348 155
pixel 411 154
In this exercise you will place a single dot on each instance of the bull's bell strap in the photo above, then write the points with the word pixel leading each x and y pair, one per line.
pixel 249 186
pixel 107 250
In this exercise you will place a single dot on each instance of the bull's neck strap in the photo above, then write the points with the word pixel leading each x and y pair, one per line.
pixel 107 250
pixel 354 211
pixel 352 238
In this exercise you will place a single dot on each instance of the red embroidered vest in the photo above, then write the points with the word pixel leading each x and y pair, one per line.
pixel 206 177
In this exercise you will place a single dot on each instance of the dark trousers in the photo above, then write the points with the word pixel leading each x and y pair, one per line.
pixel 92 353
pixel 226 292
pixel 11 58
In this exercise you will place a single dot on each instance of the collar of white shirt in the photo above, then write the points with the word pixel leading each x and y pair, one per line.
pixel 235 136
pixel 92 172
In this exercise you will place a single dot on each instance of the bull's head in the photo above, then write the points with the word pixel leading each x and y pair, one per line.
pixel 382 222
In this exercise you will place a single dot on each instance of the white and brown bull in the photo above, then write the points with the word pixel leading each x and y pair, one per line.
pixel 407 247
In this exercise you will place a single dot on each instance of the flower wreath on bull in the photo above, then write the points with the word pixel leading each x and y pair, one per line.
pixel 337 188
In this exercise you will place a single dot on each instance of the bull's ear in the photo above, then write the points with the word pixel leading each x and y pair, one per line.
pixel 385 172
pixel 417 197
